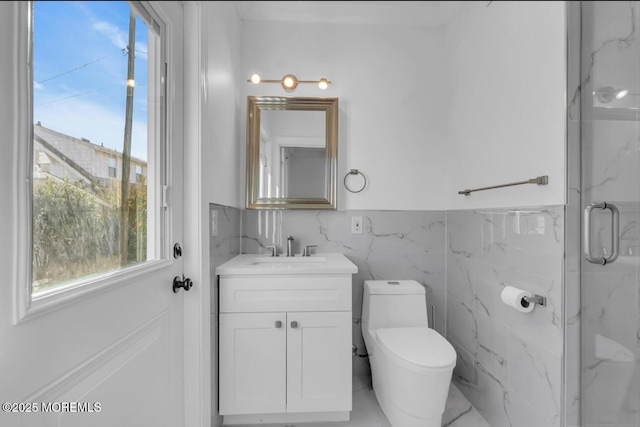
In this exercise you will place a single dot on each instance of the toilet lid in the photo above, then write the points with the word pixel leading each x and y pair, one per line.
pixel 419 346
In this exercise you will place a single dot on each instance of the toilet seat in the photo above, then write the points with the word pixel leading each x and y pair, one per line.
pixel 417 348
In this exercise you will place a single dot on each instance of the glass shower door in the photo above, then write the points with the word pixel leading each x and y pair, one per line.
pixel 610 183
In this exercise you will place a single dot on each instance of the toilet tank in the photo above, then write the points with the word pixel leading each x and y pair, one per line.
pixel 393 304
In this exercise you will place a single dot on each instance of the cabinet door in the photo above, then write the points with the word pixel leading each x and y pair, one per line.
pixel 319 361
pixel 252 363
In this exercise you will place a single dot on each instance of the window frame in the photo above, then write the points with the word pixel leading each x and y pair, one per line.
pixel 26 304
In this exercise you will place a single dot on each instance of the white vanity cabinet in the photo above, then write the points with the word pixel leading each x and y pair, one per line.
pixel 284 346
pixel 303 365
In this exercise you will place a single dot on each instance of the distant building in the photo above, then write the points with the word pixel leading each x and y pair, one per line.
pixel 60 156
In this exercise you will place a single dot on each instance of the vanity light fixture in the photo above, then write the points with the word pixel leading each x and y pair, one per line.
pixel 323 83
pixel 607 94
pixel 289 82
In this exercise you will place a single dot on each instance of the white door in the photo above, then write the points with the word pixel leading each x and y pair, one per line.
pixel 109 353
pixel 319 361
pixel 253 363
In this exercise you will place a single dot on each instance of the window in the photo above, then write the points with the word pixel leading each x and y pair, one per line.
pixel 138 172
pixel 96 91
pixel 112 167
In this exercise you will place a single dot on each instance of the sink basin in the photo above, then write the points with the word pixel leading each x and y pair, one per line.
pixel 248 264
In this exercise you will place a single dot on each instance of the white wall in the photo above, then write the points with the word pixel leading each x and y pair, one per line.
pixel 506 113
pixel 216 122
pixel 390 85
pixel 222 100
pixel 424 113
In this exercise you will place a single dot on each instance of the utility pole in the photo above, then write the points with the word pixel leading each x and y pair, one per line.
pixel 126 151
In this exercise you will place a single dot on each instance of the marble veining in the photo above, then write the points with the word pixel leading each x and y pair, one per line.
pixel 509 363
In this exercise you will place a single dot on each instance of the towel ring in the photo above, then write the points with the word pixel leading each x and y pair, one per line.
pixel 355 172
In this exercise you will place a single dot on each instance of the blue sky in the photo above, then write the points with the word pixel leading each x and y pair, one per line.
pixel 80 71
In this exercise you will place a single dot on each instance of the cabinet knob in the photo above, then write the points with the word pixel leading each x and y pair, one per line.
pixel 294 324
pixel 278 324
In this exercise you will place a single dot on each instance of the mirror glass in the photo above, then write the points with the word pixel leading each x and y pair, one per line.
pixel 291 152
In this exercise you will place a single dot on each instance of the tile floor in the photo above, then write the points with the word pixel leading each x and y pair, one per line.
pixel 367 413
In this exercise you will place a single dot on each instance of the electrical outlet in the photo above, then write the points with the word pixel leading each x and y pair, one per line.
pixel 356 225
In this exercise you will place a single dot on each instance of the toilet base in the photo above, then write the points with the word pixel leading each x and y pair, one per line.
pixel 399 418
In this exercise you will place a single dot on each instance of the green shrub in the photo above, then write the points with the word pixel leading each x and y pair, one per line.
pixel 76 234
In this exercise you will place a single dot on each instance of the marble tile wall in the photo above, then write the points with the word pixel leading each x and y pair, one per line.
pixel 510 363
pixel 393 245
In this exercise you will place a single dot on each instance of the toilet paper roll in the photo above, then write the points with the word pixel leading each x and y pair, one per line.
pixel 513 297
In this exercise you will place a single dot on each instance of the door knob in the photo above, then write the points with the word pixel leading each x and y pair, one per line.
pixel 185 283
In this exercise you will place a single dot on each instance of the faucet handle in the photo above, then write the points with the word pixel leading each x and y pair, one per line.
pixel 306 251
pixel 274 250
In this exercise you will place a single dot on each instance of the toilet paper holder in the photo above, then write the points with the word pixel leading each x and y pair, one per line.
pixel 535 299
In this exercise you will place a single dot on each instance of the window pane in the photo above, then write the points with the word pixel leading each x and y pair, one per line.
pixel 90 210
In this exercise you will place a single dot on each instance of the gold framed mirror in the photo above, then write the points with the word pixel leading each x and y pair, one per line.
pixel 292 152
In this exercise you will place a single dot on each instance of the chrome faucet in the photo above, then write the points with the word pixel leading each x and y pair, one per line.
pixel 274 250
pixel 290 246
pixel 307 250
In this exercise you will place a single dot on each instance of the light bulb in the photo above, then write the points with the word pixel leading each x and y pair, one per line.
pixel 622 93
pixel 131 83
pixel 289 82
pixel 255 79
pixel 323 83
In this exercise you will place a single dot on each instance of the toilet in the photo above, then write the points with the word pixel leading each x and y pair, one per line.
pixel 411 364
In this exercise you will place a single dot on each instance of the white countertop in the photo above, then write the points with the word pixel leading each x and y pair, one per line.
pixel 260 264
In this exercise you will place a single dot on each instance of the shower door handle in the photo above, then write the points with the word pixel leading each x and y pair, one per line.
pixel 615 233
